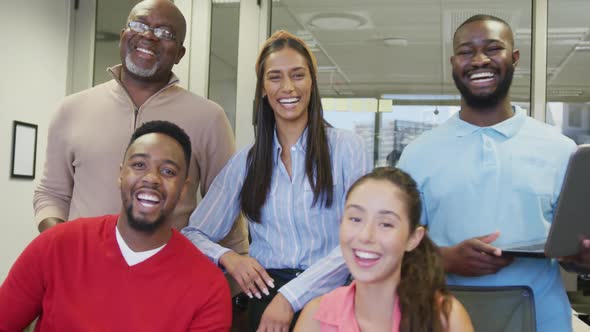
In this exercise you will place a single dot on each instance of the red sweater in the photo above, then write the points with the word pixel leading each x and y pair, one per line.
pixel 75 277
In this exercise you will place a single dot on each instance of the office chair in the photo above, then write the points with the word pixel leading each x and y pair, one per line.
pixel 498 309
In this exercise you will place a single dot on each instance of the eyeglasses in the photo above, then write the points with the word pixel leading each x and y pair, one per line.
pixel 161 33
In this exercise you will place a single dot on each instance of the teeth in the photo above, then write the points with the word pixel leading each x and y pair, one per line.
pixel 288 100
pixel 143 50
pixel 149 198
pixel 365 255
pixel 481 75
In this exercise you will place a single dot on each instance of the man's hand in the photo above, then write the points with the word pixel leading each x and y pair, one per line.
pixel 277 316
pixel 580 261
pixel 583 257
pixel 474 257
pixel 248 273
pixel 47 223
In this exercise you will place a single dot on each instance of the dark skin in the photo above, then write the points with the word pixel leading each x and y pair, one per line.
pixel 155 13
pixel 474 257
pixel 484 46
pixel 154 164
pixel 481 47
pixel 487 46
pixel 581 261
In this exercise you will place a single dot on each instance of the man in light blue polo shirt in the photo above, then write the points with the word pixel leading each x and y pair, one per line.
pixel 491 175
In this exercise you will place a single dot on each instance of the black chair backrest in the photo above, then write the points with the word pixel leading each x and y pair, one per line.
pixel 498 309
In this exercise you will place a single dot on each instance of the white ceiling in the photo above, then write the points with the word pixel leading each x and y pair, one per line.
pixel 356 61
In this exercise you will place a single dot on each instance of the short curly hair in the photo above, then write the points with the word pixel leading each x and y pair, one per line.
pixel 169 129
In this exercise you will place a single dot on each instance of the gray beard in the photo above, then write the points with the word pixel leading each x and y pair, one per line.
pixel 137 71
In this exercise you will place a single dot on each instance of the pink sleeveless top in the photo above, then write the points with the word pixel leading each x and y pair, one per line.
pixel 336 311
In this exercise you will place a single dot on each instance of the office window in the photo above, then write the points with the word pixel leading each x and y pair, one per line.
pixel 397 50
pixel 111 16
pixel 568 68
pixel 223 58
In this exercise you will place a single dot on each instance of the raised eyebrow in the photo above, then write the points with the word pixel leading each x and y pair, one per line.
pixel 139 18
pixel 389 213
pixel 137 155
pixel 486 41
pixel 171 162
pixel 273 71
pixel 278 71
pixel 354 206
pixel 146 156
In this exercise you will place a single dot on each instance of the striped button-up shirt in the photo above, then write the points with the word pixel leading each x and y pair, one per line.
pixel 292 233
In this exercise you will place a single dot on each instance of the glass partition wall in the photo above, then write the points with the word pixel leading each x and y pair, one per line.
pixel 395 53
pixel 223 58
pixel 568 68
pixel 111 16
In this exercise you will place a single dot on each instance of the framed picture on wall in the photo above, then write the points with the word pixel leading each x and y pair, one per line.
pixel 24 150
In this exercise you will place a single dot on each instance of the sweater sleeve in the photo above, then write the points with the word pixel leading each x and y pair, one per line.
pixel 21 294
pixel 54 191
pixel 218 149
pixel 214 217
pixel 216 313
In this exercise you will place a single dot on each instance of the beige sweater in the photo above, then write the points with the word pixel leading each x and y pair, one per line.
pixel 87 139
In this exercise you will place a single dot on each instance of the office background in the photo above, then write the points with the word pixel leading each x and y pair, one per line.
pixel 384 69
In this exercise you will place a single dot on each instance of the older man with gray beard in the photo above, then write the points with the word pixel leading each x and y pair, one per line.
pixel 89 132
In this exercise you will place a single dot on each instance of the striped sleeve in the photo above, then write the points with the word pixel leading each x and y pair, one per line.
pixel 215 215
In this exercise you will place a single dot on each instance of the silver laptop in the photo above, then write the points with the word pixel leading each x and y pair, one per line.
pixel 571 219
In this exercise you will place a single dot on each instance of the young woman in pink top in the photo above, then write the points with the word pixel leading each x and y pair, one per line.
pixel 399 280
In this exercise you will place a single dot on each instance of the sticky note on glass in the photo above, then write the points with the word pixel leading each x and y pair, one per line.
pixel 328 104
pixel 357 105
pixel 385 105
pixel 341 104
pixel 372 105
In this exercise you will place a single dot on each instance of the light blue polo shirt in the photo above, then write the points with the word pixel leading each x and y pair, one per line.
pixel 507 177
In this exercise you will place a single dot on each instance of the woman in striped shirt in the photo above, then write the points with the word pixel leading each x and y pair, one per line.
pixel 290 185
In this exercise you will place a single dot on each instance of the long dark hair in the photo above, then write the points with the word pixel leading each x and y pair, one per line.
pixel 318 165
pixel 422 291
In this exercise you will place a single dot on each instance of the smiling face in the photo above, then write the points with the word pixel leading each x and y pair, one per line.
pixel 287 85
pixel 483 62
pixel 145 56
pixel 375 232
pixel 152 178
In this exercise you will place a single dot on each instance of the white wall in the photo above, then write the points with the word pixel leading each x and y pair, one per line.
pixel 34 58
pixel 34 64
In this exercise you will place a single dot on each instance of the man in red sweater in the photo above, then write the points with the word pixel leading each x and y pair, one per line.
pixel 127 272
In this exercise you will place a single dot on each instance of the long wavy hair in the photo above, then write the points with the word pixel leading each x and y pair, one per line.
pixel 422 291
pixel 318 165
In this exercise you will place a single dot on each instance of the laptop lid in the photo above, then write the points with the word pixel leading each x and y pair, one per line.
pixel 568 223
pixel 571 220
